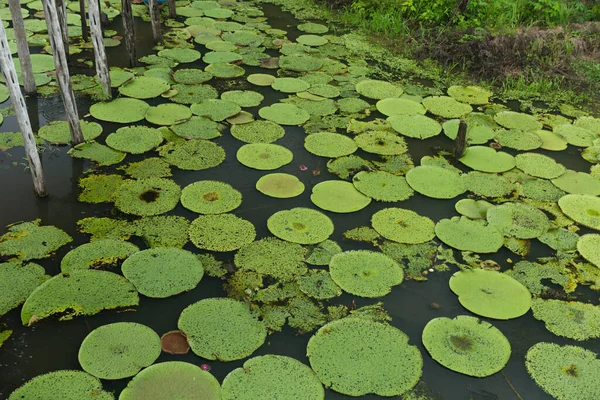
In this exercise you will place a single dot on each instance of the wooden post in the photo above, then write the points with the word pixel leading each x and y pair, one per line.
pixel 99 53
pixel 129 31
pixel 155 20
pixel 172 8
pixel 18 101
pixel 62 71
pixel 460 143
pixel 84 30
pixel 61 12
pixel 22 47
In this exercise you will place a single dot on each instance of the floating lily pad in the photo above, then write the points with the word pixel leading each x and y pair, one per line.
pixel 197 128
pixel 518 220
pixel 574 182
pixel 300 63
pixel 516 120
pixel 8 140
pixel 552 141
pixel 272 257
pixel 446 107
pixel 575 135
pixel 518 140
pixel 99 153
pixel 4 336
pixel 122 110
pixel 149 196
pixel 311 27
pixel 565 372
pixel 215 109
pixel 221 232
pixel 381 142
pixel 264 156
pixel 172 380
pixel 163 272
pixel 339 197
pixel 143 87
pixel 583 209
pixel 261 79
pixel 571 319
pixel 487 185
pixel 194 155
pixel 467 345
pixel 415 126
pixel 243 117
pixel 258 132
pixel 324 90
pixel 210 197
pixel 17 282
pixel 486 159
pixel 284 114
pixel 148 168
pixel 190 94
pixel 213 328
pixel 473 209
pixel 352 105
pixel 476 133
pixel 436 182
pixel 82 292
pixel 589 248
pixel 180 55
pixel 97 254
pixel 388 365
pixel 290 85
pixel 471 235
pixel 282 186
pixel 403 226
pixel 319 285
pixel 118 350
pixel 312 40
pixel 300 225
pixel 243 98
pixel 64 385
pixel 191 76
pixel 470 94
pixel 490 294
pixel 29 240
pixel 539 165
pixel 58 132
pixel 560 239
pixel 221 57
pixel 346 165
pixel 262 376
pixel 225 70
pixel 162 231
pixel 376 89
pixel 382 186
pixel 168 114
pixel 174 342
pixel 134 139
pixel 399 106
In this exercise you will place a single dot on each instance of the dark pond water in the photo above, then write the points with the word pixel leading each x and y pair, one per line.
pixel 50 346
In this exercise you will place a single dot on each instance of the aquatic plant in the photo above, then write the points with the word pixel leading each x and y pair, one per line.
pixel 174 342
pixel 339 197
pixel 148 168
pixel 403 226
pixel 517 120
pixel 29 240
pixel 415 126
pixel 122 110
pixel 215 109
pixel 473 209
pixel 167 114
pixel 328 144
pixel 272 257
pixel 486 159
pixel 575 135
pixel 134 139
pixel 574 182
pixel 377 89
pixel 99 153
pixel 17 282
pixel 243 98
pixel 475 95
pixel 221 232
pixel 210 197
pixel 584 209
pixel 264 156
pixel 539 165
pixel 436 182
pixel 446 107
pixel 144 87
pixel 280 185
pixel 150 196
pixel 63 384
pixel 571 319
pixel 97 254
pixel 194 155
pixel 382 186
pixel 99 188
pixel 258 132
pixel 191 94
pixel 58 132
pixel 518 220
pixel 284 114
pixel 589 248
pixel 300 225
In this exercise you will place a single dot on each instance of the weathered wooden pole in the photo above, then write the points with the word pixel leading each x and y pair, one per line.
pixel 62 71
pixel 18 101
pixel 129 31
pixel 99 53
pixel 61 12
pixel 172 8
pixel 155 20
pixel 84 31
pixel 460 143
pixel 22 47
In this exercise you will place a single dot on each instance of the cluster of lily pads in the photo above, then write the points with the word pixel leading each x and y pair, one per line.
pixel 171 114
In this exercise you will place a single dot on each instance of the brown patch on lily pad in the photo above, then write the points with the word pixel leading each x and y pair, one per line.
pixel 174 342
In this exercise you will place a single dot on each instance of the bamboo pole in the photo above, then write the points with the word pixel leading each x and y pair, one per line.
pixel 62 71
pixel 129 31
pixel 84 29
pixel 172 8
pixel 99 53
pixel 18 101
pixel 155 20
pixel 22 47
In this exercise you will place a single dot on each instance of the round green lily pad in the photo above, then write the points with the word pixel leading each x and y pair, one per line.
pixel 575 135
pixel 258 132
pixel 282 186
pixel 191 76
pixel 172 380
pixel 324 90
pixel 467 345
pixel 539 165
pixel 552 141
pixel 399 106
pixel 210 197
pixel 225 70
pixel 365 273
pixel 284 114
pixel 122 110
pixel 570 319
pixel 415 126
pixel 81 292
pixel 469 235
pixel 273 257
pixel 311 27
pixel 475 95
pixel 584 209
pixel 476 133
pixel 243 98
pixel 487 184
pixel 387 366
pixel 565 372
pixel 486 159
pixel 134 139
pixel 518 140
pixel 587 122
pixel 446 107
pixel 300 225
pixel 97 254
pixel 163 272
pixel 17 282
pixel 589 248
pixel 213 328
pixel 221 57
pixel 64 385
pixel 381 142
pixel 151 196
pixel 376 89
pixel 574 182
pixel 99 153
pixel 263 376
pixel 118 350
pixel 58 132
pixel 300 63
pixel 264 156
pixel 516 120
pixel 143 87
pixel 339 197
pixel 382 186
pixel 97 188
pixel 221 232
pixel 261 79
pixel 220 45
pixel 190 94
pixel 473 209
pixel 403 226
pixel 197 128
pixel 194 155
pixel 168 114
pixel 216 109
pixel 352 105
pixel 319 285
pixel 312 40
pixel 490 294
pixel 180 55
pixel 290 85
pixel 518 220
pixel 243 117
pixel 436 182
pixel 28 240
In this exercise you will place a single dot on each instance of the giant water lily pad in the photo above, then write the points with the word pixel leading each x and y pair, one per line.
pixel 319 285
pixel 97 254
pixel 82 292
pixel 376 89
pixel 584 209
pixel 258 132
pixel 300 63
pixel 197 128
pixel 99 188
pixel 516 120
pixel 381 142
pixel 388 365
pixel 180 55
pixel 264 156
pixel 210 197
pixel 339 197
pixel 399 106
pixel 64 385
pixel 191 76
pixel 518 220
pixel 282 186
pixel 261 377
pixel 118 350
pixel 382 186
pixel 221 57
pixel 436 182
pixel 472 235
pixel 290 85
pixel 99 153
pixel 172 380
pixel 300 225
pixel 149 196
pixel 122 110
pixel 365 273
pixel 578 183
pixel 221 232
pixel 565 372
pixel 571 319
pixel 17 282
pixel 415 126
pixel 467 345
pixel 225 70
pixel 475 95
pixel 490 294
pixel 273 257
pixel 143 87
pixel 29 240
pixel 477 132
pixel 148 168
pixel 446 107
pixel 243 98
pixel 403 226
pixel 486 159
pixel 213 328
pixel 518 140
pixel 539 165
pixel 487 185
pixel 328 144
pixel 589 248
pixel 473 209
pixel 216 109
pixel 163 272
pixel 58 132
pixel 575 135
pixel 134 139
pixel 552 141
pixel 190 94
pixel 194 155
pixel 284 114
pixel 168 114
